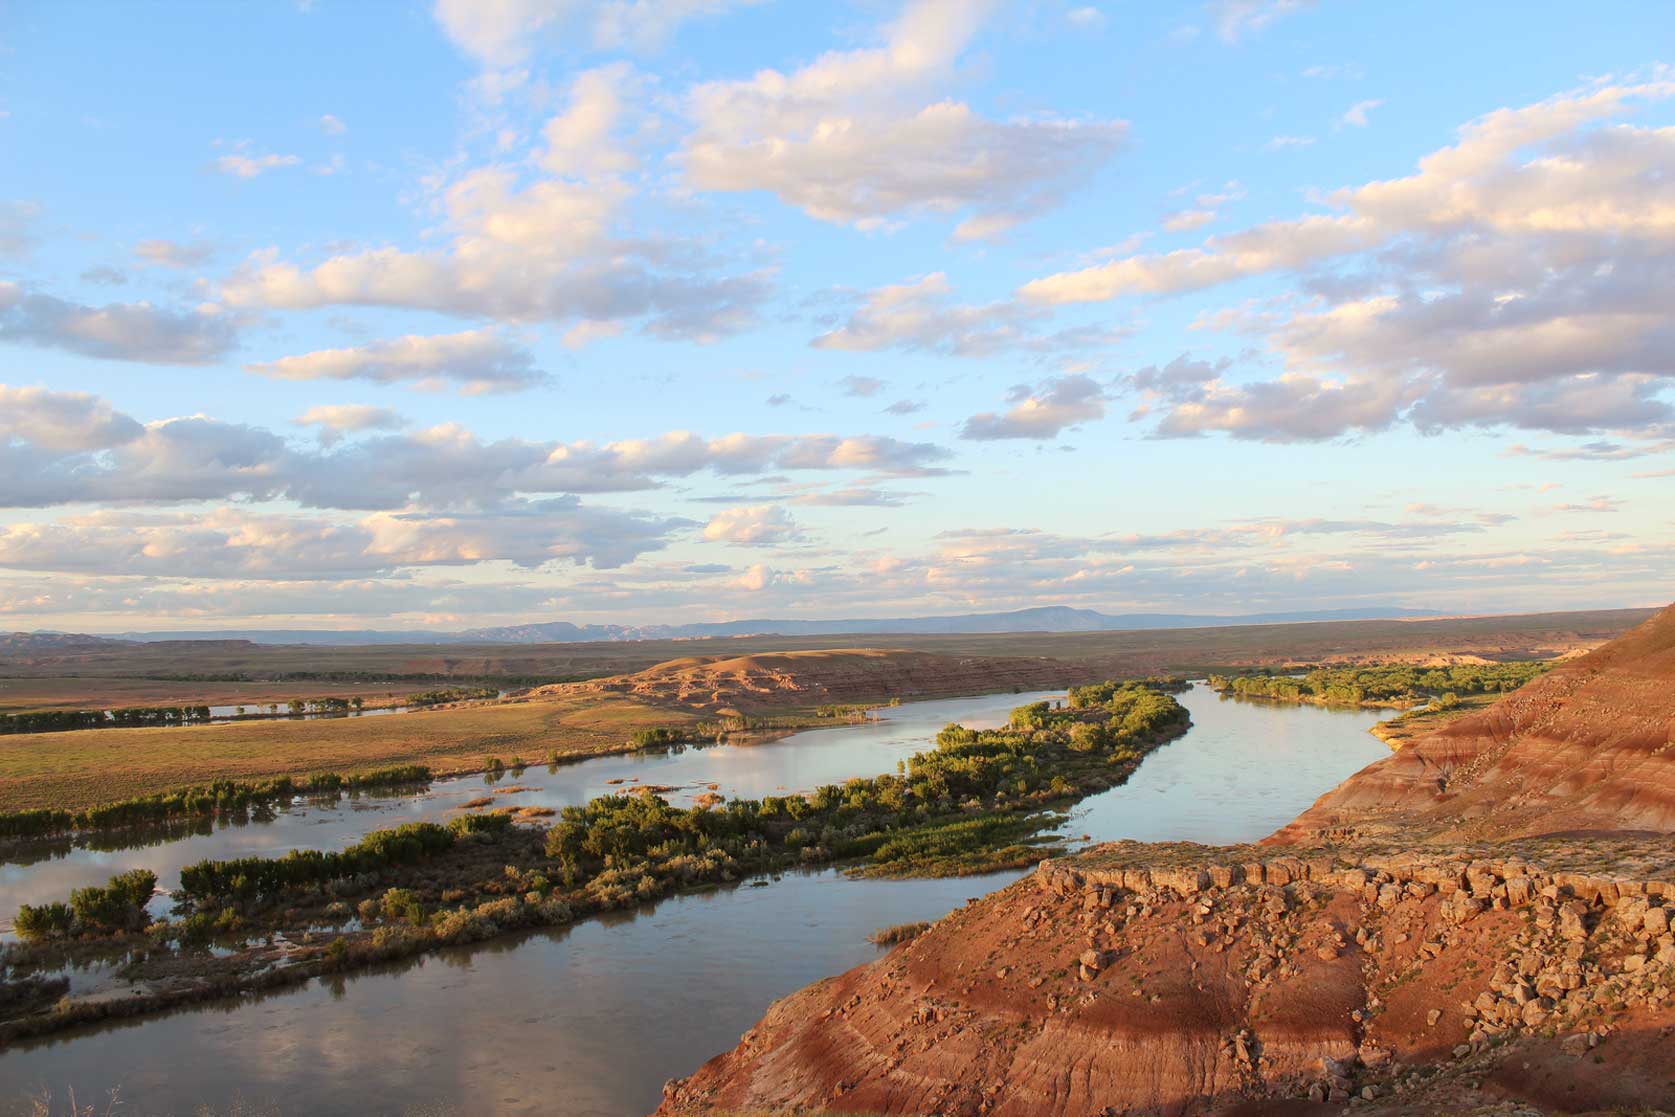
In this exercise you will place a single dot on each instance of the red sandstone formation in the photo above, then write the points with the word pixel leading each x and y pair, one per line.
pixel 768 680
pixel 1590 746
pixel 1210 984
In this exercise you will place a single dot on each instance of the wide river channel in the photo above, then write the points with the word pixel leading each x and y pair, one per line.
pixel 593 1018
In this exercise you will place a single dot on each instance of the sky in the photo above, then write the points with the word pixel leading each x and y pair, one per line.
pixel 341 314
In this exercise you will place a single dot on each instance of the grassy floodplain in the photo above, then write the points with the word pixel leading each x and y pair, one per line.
pixel 83 768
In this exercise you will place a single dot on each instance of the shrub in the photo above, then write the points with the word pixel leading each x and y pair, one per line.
pixel 901 932
pixel 494 822
pixel 39 921
pixel 401 904
pixel 117 906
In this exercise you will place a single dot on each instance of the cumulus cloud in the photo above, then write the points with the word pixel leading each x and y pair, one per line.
pixel 922 315
pixel 541 248
pixel 230 542
pixel 331 125
pixel 116 458
pixel 831 138
pixel 335 420
pixel 136 331
pixel 477 361
pixel 753 525
pixel 63 421
pixel 1041 412
pixel 1519 277
pixel 245 165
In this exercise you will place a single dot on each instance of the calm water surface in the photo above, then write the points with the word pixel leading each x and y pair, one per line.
pixel 593 1019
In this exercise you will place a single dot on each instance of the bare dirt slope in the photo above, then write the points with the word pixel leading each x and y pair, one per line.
pixel 769 680
pixel 1588 747
pixel 1205 983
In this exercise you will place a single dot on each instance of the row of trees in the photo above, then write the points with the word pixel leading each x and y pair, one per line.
pixel 203 801
pixel 131 717
pixel 52 721
pixel 1384 683
pixel 264 877
pixel 451 694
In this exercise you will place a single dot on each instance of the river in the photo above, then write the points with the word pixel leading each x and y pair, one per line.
pixel 592 1019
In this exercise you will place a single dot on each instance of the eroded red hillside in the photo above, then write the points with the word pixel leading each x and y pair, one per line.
pixel 1588 747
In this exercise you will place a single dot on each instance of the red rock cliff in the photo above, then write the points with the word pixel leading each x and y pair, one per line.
pixel 1589 747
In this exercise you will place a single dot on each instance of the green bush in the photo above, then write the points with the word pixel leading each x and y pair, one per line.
pixel 36 922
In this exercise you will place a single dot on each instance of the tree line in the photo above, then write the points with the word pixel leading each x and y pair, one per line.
pixel 1390 683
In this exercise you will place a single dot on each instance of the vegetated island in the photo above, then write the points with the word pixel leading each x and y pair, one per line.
pixel 976 802
pixel 1427 696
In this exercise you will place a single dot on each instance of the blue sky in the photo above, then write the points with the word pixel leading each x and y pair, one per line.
pixel 343 314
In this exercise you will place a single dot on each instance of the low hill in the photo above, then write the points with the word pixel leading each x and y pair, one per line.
pixel 777 680
pixel 1588 747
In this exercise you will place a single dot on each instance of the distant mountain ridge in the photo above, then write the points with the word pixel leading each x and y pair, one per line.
pixel 1049 618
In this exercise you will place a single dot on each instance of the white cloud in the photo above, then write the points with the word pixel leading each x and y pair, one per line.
pixel 830 138
pixel 541 249
pixel 1289 143
pixel 337 419
pixel 332 126
pixel 1519 277
pixel 173 254
pixel 242 165
pixel 753 525
pixel 1086 18
pixel 1042 412
pixel 920 315
pixel 1356 115
pixel 1235 19
pixel 115 458
pixel 1185 220
pixel 229 543
pixel 63 421
pixel 477 361
pixel 136 331
pixel 505 33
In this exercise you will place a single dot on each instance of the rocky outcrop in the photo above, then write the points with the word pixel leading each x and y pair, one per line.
pixel 1588 747
pixel 770 680
pixel 1178 979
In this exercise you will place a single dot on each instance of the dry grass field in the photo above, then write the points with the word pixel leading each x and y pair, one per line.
pixel 86 767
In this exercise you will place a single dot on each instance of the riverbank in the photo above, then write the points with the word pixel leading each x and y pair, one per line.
pixel 973 804
pixel 1425 720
